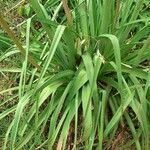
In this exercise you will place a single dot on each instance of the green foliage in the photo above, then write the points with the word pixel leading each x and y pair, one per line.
pixel 94 78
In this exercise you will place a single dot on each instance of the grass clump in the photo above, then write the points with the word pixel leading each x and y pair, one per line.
pixel 84 79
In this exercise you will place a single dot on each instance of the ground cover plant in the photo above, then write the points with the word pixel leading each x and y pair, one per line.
pixel 80 72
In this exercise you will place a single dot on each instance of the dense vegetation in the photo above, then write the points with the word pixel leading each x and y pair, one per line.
pixel 75 74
